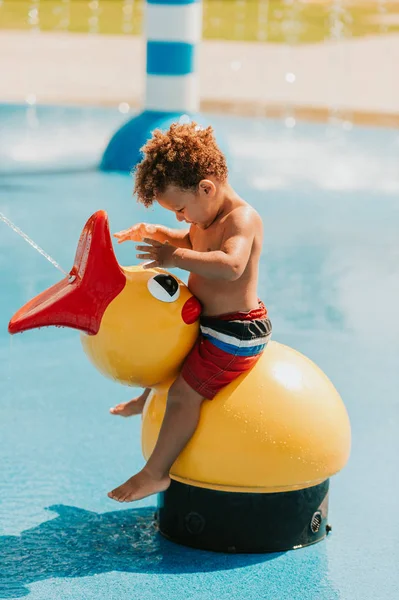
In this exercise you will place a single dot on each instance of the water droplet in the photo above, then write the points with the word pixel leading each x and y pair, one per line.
pixel 235 65
pixel 184 120
pixel 124 107
pixel 30 99
pixel 290 122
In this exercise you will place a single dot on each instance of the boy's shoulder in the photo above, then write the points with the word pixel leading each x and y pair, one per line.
pixel 243 214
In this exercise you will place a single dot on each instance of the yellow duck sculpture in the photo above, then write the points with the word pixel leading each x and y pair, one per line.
pixel 255 475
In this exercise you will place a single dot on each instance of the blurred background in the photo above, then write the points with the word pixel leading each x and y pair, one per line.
pixel 305 94
pixel 319 58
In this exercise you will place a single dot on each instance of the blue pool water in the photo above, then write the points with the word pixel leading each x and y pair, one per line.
pixel 329 275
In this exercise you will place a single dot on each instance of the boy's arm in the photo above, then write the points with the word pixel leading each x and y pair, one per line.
pixel 227 263
pixel 179 238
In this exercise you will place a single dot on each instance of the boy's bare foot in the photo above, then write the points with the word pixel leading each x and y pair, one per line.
pixel 139 486
pixel 133 407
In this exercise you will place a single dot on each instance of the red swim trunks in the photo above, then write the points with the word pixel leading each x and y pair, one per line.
pixel 228 345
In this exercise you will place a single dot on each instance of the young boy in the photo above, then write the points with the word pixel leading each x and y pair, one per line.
pixel 185 172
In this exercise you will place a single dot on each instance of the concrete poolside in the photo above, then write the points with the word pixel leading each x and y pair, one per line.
pixel 356 77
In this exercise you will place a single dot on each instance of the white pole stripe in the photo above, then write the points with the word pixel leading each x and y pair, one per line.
pixel 172 93
pixel 175 23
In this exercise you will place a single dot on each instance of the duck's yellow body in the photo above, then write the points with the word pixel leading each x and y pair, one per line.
pixel 280 427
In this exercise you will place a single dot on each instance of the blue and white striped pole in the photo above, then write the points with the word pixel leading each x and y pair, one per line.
pixel 173 32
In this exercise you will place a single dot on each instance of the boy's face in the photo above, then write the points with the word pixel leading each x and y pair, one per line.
pixel 192 207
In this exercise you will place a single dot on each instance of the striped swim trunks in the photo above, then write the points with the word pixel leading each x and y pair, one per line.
pixel 228 345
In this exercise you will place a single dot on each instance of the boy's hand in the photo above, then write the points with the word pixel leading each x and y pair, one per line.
pixel 160 255
pixel 137 233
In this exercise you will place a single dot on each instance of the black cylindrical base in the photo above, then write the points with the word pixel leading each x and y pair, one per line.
pixel 243 522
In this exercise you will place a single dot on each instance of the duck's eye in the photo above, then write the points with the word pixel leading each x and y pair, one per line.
pixel 164 288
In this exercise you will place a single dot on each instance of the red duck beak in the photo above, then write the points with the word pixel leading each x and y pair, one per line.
pixel 78 301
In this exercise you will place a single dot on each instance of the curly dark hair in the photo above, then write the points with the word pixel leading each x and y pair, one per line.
pixel 181 156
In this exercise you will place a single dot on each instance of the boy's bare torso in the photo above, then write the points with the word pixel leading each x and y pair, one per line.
pixel 220 296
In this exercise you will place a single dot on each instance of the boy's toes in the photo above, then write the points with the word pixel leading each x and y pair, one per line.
pixel 115 495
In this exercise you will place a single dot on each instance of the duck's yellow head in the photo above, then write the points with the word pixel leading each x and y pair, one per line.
pixel 147 330
pixel 137 324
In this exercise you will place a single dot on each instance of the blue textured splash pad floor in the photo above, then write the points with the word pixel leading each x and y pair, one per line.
pixel 329 275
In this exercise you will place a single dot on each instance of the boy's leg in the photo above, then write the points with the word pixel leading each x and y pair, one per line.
pixel 133 407
pixel 179 424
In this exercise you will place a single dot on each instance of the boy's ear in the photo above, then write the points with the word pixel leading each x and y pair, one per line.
pixel 207 187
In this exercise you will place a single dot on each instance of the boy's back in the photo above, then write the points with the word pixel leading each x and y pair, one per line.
pixel 237 294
